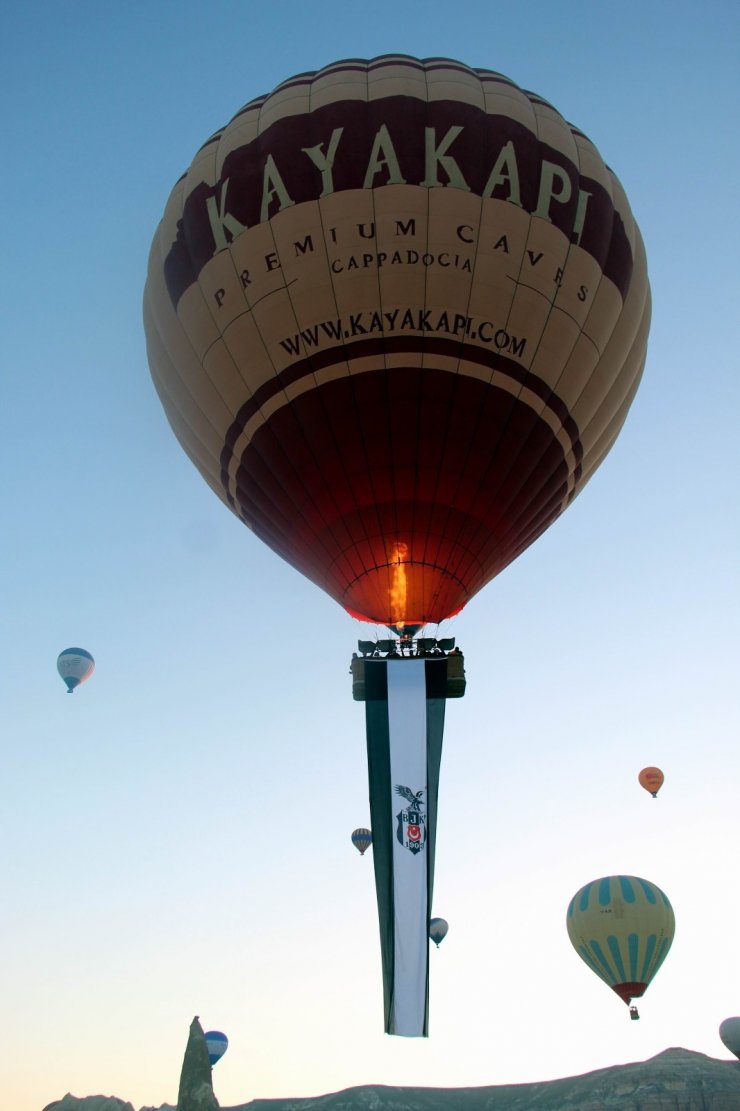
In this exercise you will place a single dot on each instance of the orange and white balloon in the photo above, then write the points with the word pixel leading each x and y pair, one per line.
pixel 652 780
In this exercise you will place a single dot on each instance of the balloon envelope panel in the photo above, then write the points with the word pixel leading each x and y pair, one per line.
pixel 622 927
pixel 396 312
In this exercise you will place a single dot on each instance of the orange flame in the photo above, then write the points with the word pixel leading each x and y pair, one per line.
pixel 397 556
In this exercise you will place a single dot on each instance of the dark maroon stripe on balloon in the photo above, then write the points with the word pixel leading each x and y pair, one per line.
pixel 474 149
pixel 250 106
pixel 540 100
pixel 213 139
pixel 397 345
pixel 383 61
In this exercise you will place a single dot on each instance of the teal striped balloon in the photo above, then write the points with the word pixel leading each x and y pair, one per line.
pixel 622 927
pixel 75 665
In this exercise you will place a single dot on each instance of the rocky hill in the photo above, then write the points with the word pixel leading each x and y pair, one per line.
pixel 675 1080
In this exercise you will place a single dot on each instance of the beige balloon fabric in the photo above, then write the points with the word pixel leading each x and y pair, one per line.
pixel 396 312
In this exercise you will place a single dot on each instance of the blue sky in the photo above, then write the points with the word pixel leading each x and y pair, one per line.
pixel 177 834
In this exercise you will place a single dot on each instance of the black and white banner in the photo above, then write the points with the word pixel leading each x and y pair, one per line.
pixel 405 708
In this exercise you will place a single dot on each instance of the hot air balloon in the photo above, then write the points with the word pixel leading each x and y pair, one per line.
pixel 622 927
pixel 216 1044
pixel 362 839
pixel 438 930
pixel 396 312
pixel 75 665
pixel 729 1032
pixel 652 780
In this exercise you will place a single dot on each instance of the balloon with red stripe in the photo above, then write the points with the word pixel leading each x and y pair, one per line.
pixel 622 927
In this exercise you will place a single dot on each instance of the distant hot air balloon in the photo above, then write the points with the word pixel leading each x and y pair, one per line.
pixel 729 1032
pixel 622 927
pixel 75 665
pixel 652 780
pixel 438 930
pixel 217 1044
pixel 361 839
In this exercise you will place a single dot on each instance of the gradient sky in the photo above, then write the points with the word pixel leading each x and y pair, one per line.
pixel 176 835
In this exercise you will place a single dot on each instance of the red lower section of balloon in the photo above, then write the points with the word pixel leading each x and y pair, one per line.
pixel 402 518
pixel 417 577
pixel 631 990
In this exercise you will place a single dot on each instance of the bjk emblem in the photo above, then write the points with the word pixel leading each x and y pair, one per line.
pixel 411 831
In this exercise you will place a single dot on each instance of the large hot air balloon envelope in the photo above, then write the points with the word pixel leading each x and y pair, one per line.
pixel 216 1044
pixel 622 927
pixel 362 839
pixel 652 780
pixel 729 1032
pixel 75 665
pixel 396 312
pixel 438 928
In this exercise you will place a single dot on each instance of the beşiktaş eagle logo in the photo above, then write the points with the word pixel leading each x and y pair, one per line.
pixel 411 831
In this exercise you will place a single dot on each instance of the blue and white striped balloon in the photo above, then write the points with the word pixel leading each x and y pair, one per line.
pixel 217 1044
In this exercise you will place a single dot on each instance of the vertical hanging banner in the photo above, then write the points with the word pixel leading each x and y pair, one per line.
pixel 404 711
